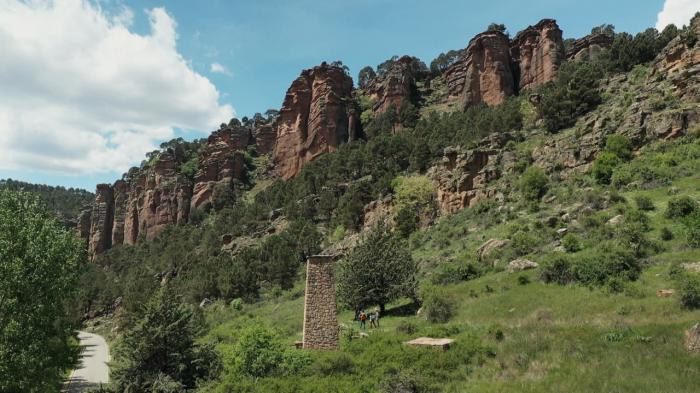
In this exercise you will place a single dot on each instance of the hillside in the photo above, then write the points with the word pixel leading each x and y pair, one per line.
pixel 64 203
pixel 547 193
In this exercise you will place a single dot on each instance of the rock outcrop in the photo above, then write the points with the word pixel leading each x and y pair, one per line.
pixel 589 47
pixel 679 63
pixel 494 67
pixel 462 177
pixel 316 117
pixel 149 199
pixel 394 88
pixel 537 53
pixel 484 74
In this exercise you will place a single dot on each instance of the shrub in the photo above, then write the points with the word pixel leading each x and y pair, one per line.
pixel 533 183
pixel 259 353
pixel 523 242
pixel 692 229
pixel 456 272
pixel 237 304
pixel 680 206
pixel 619 145
pixel 604 166
pixel 523 280
pixel 666 234
pixel 571 243
pixel 557 269
pixel 689 292
pixel 438 307
pixel 340 364
pixel 606 264
pixel 406 327
pixel 644 202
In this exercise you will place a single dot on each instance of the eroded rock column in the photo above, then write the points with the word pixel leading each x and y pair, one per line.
pixel 320 315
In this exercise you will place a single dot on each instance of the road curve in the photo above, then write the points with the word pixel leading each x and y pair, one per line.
pixel 93 370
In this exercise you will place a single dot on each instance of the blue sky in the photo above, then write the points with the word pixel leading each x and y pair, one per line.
pixel 154 70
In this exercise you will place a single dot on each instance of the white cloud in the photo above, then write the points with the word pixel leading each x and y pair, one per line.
pixel 677 12
pixel 217 68
pixel 81 93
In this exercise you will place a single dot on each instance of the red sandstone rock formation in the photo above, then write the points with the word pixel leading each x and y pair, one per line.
pixel 589 46
pixel 679 63
pixel 484 74
pixel 462 178
pixel 265 136
pixel 394 88
pixel 316 117
pixel 150 199
pixel 537 53
pixel 101 220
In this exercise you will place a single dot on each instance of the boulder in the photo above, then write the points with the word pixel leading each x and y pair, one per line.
pixel 518 265
pixel 691 267
pixel 562 231
pixel 665 292
pixel 616 220
pixel 490 246
pixel 692 339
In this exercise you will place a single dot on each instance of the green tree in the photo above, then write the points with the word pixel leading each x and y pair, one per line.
pixel 377 271
pixel 365 77
pixel 161 347
pixel 39 271
pixel 533 183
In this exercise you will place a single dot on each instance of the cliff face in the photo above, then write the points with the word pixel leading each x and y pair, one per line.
pixel 679 63
pixel 394 88
pixel 148 200
pixel 537 53
pixel 484 74
pixel 316 117
pixel 495 67
pixel 589 47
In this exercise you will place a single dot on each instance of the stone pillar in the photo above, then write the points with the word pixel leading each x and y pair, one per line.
pixel 320 318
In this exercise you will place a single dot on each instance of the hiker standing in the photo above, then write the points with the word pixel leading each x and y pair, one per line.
pixel 363 319
pixel 373 320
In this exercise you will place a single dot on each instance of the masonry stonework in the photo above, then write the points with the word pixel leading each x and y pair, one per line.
pixel 320 318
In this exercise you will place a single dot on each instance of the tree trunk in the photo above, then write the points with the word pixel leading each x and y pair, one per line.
pixel 382 308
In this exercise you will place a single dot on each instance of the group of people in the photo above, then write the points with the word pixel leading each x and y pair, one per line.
pixel 373 317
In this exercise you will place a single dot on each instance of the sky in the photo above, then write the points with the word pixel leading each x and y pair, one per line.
pixel 88 87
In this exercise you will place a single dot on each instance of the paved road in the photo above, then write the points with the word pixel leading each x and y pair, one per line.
pixel 93 369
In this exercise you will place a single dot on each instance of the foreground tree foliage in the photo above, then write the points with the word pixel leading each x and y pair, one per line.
pixel 377 271
pixel 39 270
pixel 159 353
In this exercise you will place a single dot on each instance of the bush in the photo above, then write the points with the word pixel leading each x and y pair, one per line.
pixel 619 145
pixel 558 270
pixel 438 307
pixel 523 242
pixel 689 292
pixel 260 353
pixel 666 234
pixel 644 202
pixel 523 280
pixel 533 183
pixel 692 229
pixel 604 166
pixel 605 264
pixel 406 327
pixel 571 243
pixel 680 206
pixel 456 272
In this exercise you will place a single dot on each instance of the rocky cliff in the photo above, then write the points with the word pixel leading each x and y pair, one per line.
pixel 484 74
pixel 588 47
pixel 495 67
pixel 537 53
pixel 394 88
pixel 317 116
pixel 149 199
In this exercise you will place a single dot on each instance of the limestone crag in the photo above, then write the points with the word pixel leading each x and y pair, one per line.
pixel 589 47
pixel 394 88
pixel 316 117
pixel 537 53
pixel 462 178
